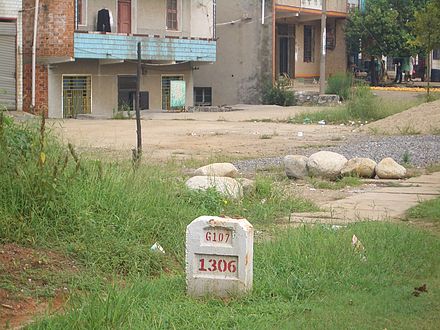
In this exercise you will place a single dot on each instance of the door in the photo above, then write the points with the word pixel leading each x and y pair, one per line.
pixel 286 50
pixel 77 96
pixel 124 16
pixel 8 62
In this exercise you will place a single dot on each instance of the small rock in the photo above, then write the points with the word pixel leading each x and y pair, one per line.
pixel 226 186
pixel 388 168
pixel 248 185
pixel 217 169
pixel 295 166
pixel 326 164
pixel 362 167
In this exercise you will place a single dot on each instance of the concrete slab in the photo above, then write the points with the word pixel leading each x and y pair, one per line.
pixel 379 205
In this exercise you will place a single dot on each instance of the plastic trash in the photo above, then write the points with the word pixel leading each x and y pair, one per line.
pixel 300 134
pixel 321 122
pixel 157 248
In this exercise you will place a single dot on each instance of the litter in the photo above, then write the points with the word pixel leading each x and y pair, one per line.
pixel 358 247
pixel 300 134
pixel 157 248
pixel 321 122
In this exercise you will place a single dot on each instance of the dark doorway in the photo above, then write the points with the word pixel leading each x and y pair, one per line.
pixel 127 94
pixel 286 50
pixel 124 16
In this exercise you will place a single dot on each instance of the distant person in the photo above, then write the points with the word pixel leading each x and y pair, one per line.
pixel 406 68
pixel 398 62
pixel 373 71
pixel 411 68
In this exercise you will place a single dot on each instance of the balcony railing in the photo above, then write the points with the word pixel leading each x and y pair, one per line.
pixel 124 47
pixel 332 5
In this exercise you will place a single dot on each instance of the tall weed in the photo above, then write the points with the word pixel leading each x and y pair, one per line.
pixel 340 84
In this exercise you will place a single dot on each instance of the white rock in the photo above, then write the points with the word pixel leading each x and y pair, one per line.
pixel 361 167
pixel 228 187
pixel 389 169
pixel 326 164
pixel 217 169
pixel 295 166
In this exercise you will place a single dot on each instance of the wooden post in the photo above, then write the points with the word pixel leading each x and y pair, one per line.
pixel 323 47
pixel 137 103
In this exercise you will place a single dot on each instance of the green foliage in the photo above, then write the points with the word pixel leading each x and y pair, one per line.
pixel 385 28
pixel 340 84
pixel 429 210
pixel 348 181
pixel 279 93
pixel 427 27
pixel 364 105
pixel 303 278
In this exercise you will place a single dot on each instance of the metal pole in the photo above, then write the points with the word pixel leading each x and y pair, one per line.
pixel 137 103
pixel 323 47
pixel 263 12
pixel 34 52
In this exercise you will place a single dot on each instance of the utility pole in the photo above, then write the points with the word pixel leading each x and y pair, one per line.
pixel 323 47
pixel 138 153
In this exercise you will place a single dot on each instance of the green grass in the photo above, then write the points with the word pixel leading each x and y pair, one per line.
pixel 348 181
pixel 305 278
pixel 362 107
pixel 429 210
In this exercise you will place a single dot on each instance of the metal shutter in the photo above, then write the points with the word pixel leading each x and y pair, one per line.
pixel 8 32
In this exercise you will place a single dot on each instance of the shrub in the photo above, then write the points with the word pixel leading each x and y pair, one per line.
pixel 279 93
pixel 363 105
pixel 340 84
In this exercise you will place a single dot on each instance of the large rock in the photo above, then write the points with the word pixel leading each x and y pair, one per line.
pixel 295 166
pixel 389 169
pixel 217 169
pixel 361 167
pixel 226 186
pixel 247 185
pixel 326 164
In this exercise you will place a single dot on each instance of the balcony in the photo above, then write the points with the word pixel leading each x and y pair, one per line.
pixel 337 6
pixel 89 45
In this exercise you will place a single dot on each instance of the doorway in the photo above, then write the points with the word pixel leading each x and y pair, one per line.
pixel 286 50
pixel 77 96
pixel 124 16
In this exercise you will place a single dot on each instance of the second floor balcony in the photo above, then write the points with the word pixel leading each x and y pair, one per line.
pixel 337 6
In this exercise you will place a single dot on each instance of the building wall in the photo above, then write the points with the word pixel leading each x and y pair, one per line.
pixel 54 43
pixel 244 48
pixel 336 60
pixel 307 69
pixel 11 9
pixel 195 18
pixel 105 84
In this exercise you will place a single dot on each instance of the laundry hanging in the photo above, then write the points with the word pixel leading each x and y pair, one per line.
pixel 104 21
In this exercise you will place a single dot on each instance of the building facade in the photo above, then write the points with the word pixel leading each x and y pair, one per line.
pixel 86 53
pixel 261 40
pixel 11 54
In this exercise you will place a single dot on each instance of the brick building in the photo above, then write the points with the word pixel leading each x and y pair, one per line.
pixel 86 53
pixel 260 40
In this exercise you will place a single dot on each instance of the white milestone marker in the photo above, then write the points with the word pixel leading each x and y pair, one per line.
pixel 219 257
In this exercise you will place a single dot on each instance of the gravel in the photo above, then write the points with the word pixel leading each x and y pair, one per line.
pixel 421 150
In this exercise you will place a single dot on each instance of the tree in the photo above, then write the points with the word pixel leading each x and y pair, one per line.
pixel 384 28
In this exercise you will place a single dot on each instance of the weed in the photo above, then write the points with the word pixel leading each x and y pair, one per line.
pixel 265 137
pixel 428 210
pixel 279 93
pixel 433 168
pixel 406 158
pixel 408 130
pixel 340 84
pixel 349 181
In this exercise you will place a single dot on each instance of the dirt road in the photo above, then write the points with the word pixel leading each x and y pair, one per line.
pixel 251 132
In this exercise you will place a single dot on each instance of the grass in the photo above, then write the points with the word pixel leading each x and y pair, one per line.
pixel 429 210
pixel 305 278
pixel 362 107
pixel 106 216
pixel 348 181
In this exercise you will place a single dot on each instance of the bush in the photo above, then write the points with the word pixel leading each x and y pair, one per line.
pixel 279 93
pixel 363 105
pixel 340 84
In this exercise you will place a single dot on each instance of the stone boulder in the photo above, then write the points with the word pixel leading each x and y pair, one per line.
pixel 226 186
pixel 388 168
pixel 326 164
pixel 361 167
pixel 217 169
pixel 295 166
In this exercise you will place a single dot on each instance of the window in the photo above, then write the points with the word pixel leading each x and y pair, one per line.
pixel 81 12
pixel 202 96
pixel 436 54
pixel 77 95
pixel 172 15
pixel 309 43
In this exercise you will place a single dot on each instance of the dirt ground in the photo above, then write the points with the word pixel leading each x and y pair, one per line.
pixel 252 132
pixel 423 119
pixel 23 273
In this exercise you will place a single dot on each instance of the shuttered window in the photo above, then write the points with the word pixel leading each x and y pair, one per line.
pixel 8 32
pixel 172 15
pixel 309 43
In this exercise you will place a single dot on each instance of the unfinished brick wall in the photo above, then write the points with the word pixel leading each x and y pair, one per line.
pixel 56 24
